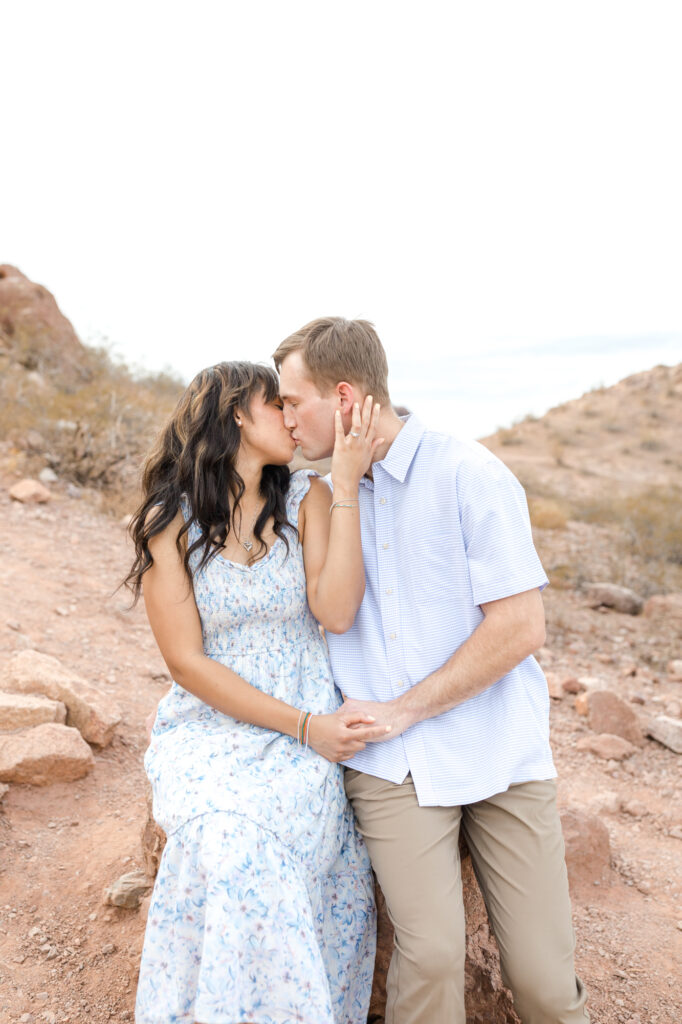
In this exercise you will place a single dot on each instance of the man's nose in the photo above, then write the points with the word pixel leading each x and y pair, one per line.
pixel 289 419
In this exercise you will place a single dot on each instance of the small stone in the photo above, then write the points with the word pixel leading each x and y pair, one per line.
pixel 128 890
pixel 667 731
pixel 43 996
pixel 74 491
pixel 13 625
pixel 607 746
pixel 676 832
pixel 644 888
pixel 679 925
pixel 62 611
pixel 638 698
pixel 554 685
pixel 673 709
pixel 609 595
pixel 26 1018
pixel 30 492
pixel 675 669
pixel 93 916
pixel 47 476
pixel 635 808
pixel 571 685
pixel 108 948
pixel 607 713
pixel 19 958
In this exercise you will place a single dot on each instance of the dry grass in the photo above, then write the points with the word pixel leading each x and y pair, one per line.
pixel 548 514
pixel 92 426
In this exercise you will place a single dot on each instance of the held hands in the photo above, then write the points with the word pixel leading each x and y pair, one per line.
pixel 341 735
pixel 353 452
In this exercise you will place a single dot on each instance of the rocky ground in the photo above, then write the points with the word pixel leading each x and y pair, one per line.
pixel 65 956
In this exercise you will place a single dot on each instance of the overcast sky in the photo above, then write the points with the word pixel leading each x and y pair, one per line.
pixel 195 181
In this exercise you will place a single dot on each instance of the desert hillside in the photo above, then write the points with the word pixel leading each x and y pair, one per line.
pixel 77 852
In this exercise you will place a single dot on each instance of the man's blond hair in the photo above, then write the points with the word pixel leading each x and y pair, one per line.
pixel 334 349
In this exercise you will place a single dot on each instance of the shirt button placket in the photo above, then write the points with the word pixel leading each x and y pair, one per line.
pixel 389 599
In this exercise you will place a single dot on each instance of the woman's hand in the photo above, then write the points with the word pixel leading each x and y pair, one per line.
pixel 341 735
pixel 352 455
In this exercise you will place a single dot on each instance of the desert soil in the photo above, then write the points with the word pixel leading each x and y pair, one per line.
pixel 65 957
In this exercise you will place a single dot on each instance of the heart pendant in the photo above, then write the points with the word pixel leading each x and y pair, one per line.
pixel 248 544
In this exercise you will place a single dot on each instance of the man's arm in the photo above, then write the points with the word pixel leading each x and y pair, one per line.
pixel 512 628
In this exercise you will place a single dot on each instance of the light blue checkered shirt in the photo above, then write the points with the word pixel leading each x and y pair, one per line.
pixel 445 528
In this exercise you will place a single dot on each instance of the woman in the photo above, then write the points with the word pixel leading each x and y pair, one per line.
pixel 263 909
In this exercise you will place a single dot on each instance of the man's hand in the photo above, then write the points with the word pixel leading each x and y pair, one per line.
pixel 387 713
pixel 341 735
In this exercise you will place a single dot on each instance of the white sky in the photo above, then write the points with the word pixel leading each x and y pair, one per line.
pixel 195 181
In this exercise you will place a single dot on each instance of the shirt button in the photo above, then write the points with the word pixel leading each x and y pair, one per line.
pixel 389 590
pixel 393 636
pixel 401 683
pixel 382 501
pixel 385 545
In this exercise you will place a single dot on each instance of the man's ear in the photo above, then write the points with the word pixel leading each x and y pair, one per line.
pixel 346 396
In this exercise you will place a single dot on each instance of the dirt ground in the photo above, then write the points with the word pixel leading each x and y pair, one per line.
pixel 65 957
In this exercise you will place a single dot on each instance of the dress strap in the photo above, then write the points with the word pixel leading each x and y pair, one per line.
pixel 299 485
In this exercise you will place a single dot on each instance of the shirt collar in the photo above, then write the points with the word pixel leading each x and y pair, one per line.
pixel 399 456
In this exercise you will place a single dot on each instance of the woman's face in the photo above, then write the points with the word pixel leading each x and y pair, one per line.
pixel 263 432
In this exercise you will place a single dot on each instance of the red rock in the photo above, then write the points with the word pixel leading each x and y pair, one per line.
pixel 20 711
pixel 30 492
pixel 580 704
pixel 611 748
pixel 554 685
pixel 93 714
pixel 43 755
pixel 571 685
pixel 606 712
pixel 664 606
pixel 667 731
pixel 34 330
pixel 621 599
pixel 128 890
pixel 588 849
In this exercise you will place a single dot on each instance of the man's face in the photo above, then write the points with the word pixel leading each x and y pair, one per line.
pixel 307 414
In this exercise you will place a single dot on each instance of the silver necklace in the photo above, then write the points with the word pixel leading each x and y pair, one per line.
pixel 248 544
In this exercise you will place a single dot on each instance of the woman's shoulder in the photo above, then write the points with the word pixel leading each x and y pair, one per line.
pixel 300 483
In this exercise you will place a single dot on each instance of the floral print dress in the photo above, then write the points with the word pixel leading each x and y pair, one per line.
pixel 263 907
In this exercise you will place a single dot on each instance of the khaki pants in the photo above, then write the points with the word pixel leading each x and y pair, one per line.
pixel 517 852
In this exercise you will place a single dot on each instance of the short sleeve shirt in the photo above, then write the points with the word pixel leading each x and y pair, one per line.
pixel 445 529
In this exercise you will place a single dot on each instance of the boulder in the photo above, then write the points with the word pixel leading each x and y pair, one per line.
pixel 667 731
pixel 128 890
pixel 93 714
pixel 45 754
pixel 20 711
pixel 34 330
pixel 588 848
pixel 664 606
pixel 611 748
pixel 607 713
pixel 29 492
pixel 609 595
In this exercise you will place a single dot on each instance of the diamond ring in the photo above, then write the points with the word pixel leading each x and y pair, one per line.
pixel 354 434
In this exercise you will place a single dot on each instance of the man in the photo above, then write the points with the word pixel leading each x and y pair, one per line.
pixel 441 651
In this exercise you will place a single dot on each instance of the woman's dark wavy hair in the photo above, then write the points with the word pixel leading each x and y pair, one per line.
pixel 194 455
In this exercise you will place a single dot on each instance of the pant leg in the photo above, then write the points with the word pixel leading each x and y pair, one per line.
pixel 414 852
pixel 517 850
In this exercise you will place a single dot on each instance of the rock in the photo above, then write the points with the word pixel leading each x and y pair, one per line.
pixel 29 491
pixel 635 808
pixel 606 712
pixel 554 685
pixel 4 790
pixel 667 731
pixel 34 330
pixel 673 709
pixel 664 606
pixel 591 683
pixel 34 441
pixel 47 476
pixel 621 599
pixel 628 667
pixel 20 711
pixel 588 849
pixel 45 754
pixel 153 839
pixel 13 624
pixel 571 685
pixel 128 890
pixel 675 670
pixel 609 747
pixel 87 708
pixel 676 832
pixel 108 949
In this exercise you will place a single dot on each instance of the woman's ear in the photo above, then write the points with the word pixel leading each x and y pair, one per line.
pixel 238 417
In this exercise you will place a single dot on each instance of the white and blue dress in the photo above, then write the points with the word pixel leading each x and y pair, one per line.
pixel 263 907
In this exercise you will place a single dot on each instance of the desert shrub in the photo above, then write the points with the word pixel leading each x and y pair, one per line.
pixel 650 520
pixel 547 514
pixel 94 425
pixel 507 436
